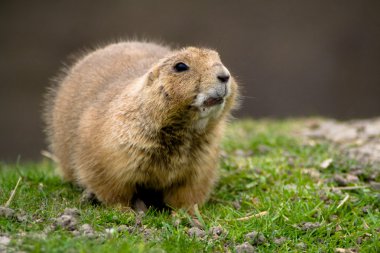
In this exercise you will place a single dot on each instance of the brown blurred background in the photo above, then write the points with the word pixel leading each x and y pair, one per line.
pixel 293 58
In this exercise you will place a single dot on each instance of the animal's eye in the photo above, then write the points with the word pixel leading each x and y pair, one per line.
pixel 180 67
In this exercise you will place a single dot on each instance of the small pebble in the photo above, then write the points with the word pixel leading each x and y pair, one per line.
pixel 375 185
pixel 239 152
pixel 125 228
pixel 243 153
pixel 351 178
pixel 236 204
pixel 67 222
pixel 301 246
pixel 216 231
pixel 4 240
pixel 72 212
pixel 366 209
pixel 7 212
pixel 148 232
pixel 110 231
pixel 340 180
pixel 263 149
pixel 244 248
pixel 22 216
pixel 279 240
pixel 349 250
pixel 309 225
pixel 326 163
pixel 196 232
pixel 87 230
pixel 176 222
pixel 255 238
pixel 75 233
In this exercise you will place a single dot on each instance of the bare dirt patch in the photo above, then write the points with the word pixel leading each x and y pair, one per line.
pixel 359 139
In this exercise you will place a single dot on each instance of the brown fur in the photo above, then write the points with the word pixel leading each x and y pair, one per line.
pixel 122 118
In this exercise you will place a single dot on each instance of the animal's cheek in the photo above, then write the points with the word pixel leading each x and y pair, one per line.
pixel 173 94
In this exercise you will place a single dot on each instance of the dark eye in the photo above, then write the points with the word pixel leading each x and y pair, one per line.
pixel 180 67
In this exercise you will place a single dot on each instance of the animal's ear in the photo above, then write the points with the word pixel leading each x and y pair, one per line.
pixel 152 75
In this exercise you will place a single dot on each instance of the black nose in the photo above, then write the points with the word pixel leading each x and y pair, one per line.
pixel 223 78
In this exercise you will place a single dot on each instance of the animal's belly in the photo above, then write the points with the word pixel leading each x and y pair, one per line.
pixel 161 174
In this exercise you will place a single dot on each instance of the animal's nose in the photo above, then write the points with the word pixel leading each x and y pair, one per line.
pixel 223 78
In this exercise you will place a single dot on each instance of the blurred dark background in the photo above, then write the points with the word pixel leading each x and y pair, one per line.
pixel 292 58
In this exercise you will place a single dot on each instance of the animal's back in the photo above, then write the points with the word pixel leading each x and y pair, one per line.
pixel 92 82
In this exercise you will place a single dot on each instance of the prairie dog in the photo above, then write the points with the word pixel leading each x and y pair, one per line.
pixel 138 117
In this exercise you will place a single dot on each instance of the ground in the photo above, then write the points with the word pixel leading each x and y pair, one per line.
pixel 284 186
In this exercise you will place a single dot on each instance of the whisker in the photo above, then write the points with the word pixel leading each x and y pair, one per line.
pixel 248 97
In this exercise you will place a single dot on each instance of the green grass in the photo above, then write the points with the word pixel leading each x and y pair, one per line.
pixel 270 179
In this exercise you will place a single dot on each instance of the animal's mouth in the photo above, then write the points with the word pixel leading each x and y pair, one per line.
pixel 211 101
